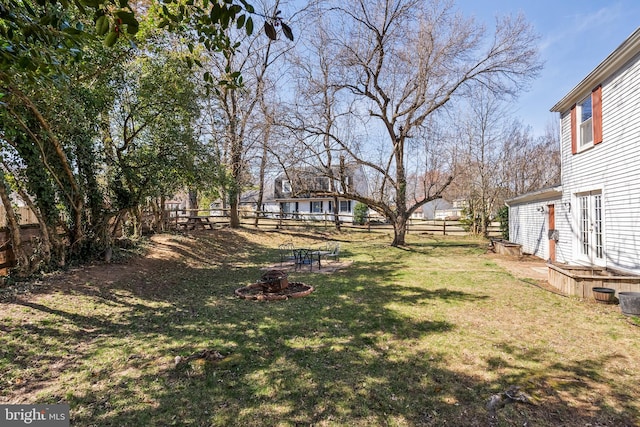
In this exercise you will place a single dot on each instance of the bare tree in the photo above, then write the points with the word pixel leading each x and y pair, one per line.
pixel 530 163
pixel 266 136
pixel 268 116
pixel 485 128
pixel 243 71
pixel 320 120
pixel 499 159
pixel 402 61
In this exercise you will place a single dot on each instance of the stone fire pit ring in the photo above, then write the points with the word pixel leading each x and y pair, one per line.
pixel 256 292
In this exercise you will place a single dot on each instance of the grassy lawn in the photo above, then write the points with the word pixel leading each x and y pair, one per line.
pixel 415 336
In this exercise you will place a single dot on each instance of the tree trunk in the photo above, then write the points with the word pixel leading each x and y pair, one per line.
pixel 399 230
pixel 44 229
pixel 400 221
pixel 336 212
pixel 256 219
pixel 236 186
pixel 138 221
pixel 163 214
pixel 263 168
pixel 75 195
pixel 234 215
pixel 23 265
pixel 485 222
pixel 118 224
pixel 157 223
pixel 193 201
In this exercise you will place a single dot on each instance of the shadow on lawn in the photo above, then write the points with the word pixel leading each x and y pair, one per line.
pixel 342 355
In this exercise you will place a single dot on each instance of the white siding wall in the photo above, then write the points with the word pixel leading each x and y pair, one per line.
pixel 612 167
pixel 304 209
pixel 564 222
pixel 529 227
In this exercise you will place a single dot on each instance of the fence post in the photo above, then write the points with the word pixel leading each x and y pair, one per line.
pixel 444 227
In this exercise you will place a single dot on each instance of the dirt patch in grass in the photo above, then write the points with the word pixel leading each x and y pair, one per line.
pixel 161 253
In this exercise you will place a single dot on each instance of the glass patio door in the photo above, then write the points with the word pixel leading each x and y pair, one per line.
pixel 590 228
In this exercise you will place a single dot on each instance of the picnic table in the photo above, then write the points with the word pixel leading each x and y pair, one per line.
pixel 195 221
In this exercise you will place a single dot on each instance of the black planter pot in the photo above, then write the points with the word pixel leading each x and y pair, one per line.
pixel 629 303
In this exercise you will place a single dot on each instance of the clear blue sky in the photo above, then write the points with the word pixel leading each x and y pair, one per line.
pixel 575 37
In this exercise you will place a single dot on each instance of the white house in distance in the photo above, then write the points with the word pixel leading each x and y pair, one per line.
pixel 305 193
pixel 440 209
pixel 593 218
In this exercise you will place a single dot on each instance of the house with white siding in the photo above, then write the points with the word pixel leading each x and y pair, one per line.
pixel 529 221
pixel 310 194
pixel 439 209
pixel 593 218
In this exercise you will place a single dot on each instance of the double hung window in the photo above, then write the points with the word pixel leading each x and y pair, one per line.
pixel 586 122
pixel 287 207
pixel 585 113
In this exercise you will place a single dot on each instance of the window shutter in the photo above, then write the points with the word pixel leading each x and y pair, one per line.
pixel 596 102
pixel 574 136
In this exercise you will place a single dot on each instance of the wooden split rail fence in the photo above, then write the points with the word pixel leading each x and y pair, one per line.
pixel 211 219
